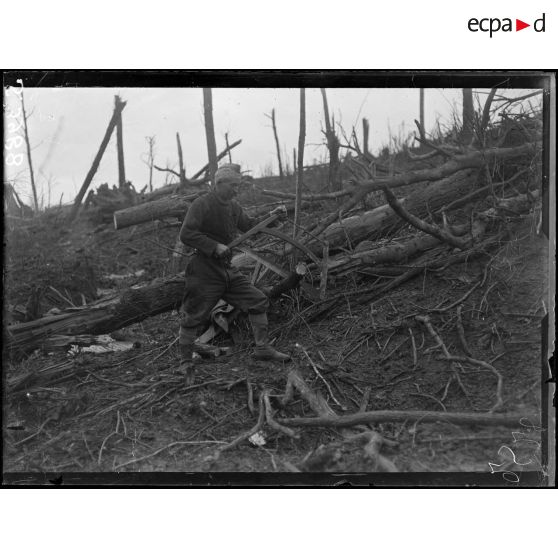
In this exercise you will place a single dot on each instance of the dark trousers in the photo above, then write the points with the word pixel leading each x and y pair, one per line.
pixel 207 281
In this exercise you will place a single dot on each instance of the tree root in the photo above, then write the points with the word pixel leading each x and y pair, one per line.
pixel 483 364
pixel 244 436
pixel 441 345
pixel 378 417
pixel 325 456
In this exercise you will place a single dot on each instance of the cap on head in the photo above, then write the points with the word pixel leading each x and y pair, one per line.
pixel 229 171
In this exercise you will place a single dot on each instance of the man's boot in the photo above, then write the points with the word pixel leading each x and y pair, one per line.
pixel 188 357
pixel 263 350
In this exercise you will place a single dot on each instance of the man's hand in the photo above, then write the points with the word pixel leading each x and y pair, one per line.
pixel 221 251
pixel 279 209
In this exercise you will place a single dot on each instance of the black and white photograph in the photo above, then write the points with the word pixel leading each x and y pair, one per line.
pixel 294 278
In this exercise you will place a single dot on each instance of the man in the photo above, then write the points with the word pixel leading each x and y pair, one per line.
pixel 211 223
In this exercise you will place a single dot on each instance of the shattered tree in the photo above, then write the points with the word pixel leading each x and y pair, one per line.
pixel 449 185
pixel 359 241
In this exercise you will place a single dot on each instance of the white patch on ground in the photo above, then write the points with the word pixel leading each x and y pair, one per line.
pixel 104 344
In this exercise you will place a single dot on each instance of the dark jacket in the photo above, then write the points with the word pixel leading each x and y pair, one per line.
pixel 210 221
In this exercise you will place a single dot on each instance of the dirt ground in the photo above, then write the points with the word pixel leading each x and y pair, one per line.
pixel 132 412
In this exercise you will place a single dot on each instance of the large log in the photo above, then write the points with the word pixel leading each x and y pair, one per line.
pixel 383 220
pixel 106 315
pixel 469 160
pixel 109 314
pixel 369 253
pixel 189 188
pixel 394 251
pixel 169 206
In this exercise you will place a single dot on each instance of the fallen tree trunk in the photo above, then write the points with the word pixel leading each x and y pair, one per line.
pixel 378 417
pixel 382 220
pixel 309 197
pixel 470 160
pixel 169 206
pixel 460 164
pixel 190 187
pixel 395 251
pixel 103 316
pixel 369 253
pixel 109 314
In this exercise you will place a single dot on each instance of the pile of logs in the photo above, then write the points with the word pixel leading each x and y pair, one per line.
pixel 338 243
pixel 103 202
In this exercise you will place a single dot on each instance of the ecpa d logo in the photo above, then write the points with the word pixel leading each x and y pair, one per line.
pixel 494 24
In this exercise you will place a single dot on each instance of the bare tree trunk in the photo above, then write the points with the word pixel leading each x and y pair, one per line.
pixel 300 164
pixel 294 160
pixel 486 114
pixel 86 183
pixel 274 126
pixel 29 160
pixel 109 314
pixel 333 147
pixel 421 115
pixel 365 135
pixel 181 169
pixel 120 145
pixel 204 169
pixel 151 143
pixel 228 149
pixel 210 133
pixel 468 116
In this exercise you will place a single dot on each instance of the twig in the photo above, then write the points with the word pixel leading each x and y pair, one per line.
pixel 250 397
pixel 414 347
pixel 461 332
pixel 164 352
pixel 323 275
pixel 365 400
pixel 239 439
pixel 123 384
pixel 131 462
pixel 393 350
pixel 356 346
pixel 163 246
pixel 107 438
pixel 213 426
pixel 483 364
pixel 315 368
pixel 440 344
pixel 437 148
pixel 459 301
pixel 87 446
pixel 34 434
pixel 167 170
pixel 271 421
pixel 103 447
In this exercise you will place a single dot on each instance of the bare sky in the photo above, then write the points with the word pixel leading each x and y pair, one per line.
pixel 67 124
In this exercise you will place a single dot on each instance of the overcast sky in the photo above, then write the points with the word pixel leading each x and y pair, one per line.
pixel 67 125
